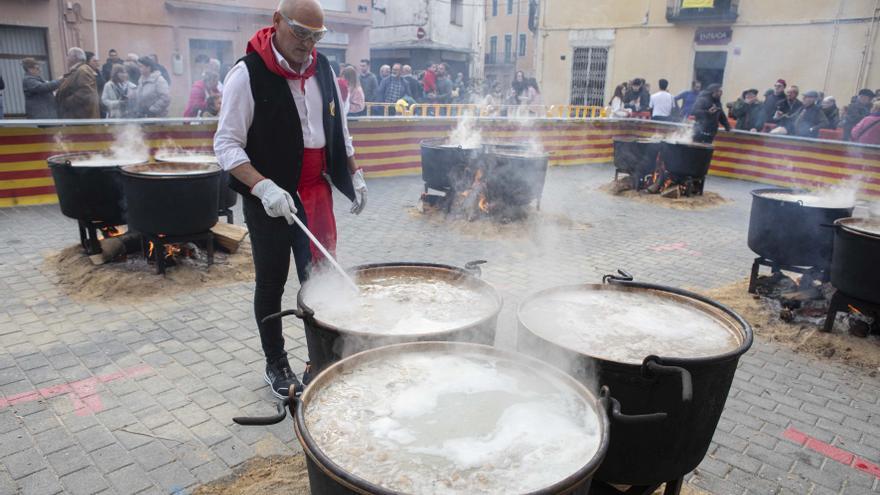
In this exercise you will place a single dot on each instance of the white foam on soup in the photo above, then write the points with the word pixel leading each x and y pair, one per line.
pixel 397 304
pixel 841 199
pixel 104 161
pixel 434 422
pixel 625 326
pixel 187 157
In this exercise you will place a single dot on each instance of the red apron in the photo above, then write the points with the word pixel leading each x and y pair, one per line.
pixel 317 199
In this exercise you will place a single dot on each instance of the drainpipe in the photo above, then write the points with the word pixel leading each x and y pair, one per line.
pixel 869 48
pixel 830 62
pixel 95 28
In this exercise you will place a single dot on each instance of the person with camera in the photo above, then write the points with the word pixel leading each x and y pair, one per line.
pixel 708 114
pixel 118 94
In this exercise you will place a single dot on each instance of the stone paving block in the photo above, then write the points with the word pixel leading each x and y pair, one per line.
pixel 85 481
pixel 68 460
pixel 130 479
pixel 152 455
pixel 43 482
pixel 53 440
pixel 211 471
pixel 172 477
pixel 112 458
pixel 211 432
pixel 23 462
pixel 233 451
pixel 827 478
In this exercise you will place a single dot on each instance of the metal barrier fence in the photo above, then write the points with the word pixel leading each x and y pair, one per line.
pixel 479 110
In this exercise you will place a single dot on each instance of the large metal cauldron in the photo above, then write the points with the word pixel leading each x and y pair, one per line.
pixel 171 198
pixel 686 159
pixel 790 232
pixel 691 392
pixel 90 193
pixel 327 477
pixel 328 343
pixel 228 197
pixel 636 156
pixel 855 264
pixel 443 164
pixel 516 176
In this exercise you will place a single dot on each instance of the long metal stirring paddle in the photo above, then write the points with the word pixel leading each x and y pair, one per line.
pixel 326 253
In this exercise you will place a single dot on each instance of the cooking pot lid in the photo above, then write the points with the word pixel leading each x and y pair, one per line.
pixel 830 199
pixel 869 226
pixel 628 324
pixel 416 418
pixel 401 300
pixel 184 157
pixel 98 160
pixel 172 170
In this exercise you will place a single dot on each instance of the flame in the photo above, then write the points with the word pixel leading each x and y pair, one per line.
pixel 109 232
pixel 484 205
pixel 854 309
pixel 150 251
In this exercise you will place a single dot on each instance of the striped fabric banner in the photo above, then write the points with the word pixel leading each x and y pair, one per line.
pixel 391 147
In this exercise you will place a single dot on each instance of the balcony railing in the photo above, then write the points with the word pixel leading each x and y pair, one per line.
pixel 721 11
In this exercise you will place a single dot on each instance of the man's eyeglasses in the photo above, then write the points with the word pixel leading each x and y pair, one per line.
pixel 303 32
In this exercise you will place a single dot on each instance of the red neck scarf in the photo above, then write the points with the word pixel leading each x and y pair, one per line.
pixel 262 44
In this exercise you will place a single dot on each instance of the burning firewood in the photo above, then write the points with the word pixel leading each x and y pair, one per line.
pixel 119 245
pixel 671 192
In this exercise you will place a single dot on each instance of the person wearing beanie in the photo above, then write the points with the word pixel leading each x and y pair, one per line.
pixel 858 109
pixel 748 112
pixel 708 114
pixel 809 119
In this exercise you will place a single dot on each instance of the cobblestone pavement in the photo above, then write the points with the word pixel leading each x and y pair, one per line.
pixel 138 398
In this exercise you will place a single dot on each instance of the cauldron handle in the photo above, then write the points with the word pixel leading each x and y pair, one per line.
pixel 265 420
pixel 613 407
pixel 651 366
pixel 473 267
pixel 302 314
pixel 623 276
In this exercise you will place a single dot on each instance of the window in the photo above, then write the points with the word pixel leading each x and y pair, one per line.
pixel 509 7
pixel 588 73
pixel 522 45
pixel 508 42
pixel 494 8
pixel 493 49
pixel 456 14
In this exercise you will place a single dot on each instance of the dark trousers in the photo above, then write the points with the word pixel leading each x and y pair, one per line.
pixel 272 242
pixel 661 118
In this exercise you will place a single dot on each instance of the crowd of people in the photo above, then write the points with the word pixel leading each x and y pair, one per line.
pixel 137 86
pixel 400 86
pixel 783 110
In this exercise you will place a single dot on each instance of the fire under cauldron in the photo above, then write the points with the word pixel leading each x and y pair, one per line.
pixel 170 203
pixel 687 164
pixel 636 157
pixel 681 378
pixel 90 191
pixel 334 333
pixel 228 197
pixel 513 175
pixel 789 230
pixel 558 430
pixel 855 270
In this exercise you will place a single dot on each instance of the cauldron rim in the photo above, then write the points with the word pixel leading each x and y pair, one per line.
pixel 354 482
pixel 207 170
pixel 490 291
pixel 721 313
pixel 846 224
pixel 443 144
pixel 172 156
pixel 65 160
pixel 760 194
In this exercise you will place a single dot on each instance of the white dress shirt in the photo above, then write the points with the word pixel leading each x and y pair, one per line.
pixel 237 113
pixel 662 102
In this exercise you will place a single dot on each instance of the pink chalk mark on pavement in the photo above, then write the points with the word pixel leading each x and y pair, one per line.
pixel 832 452
pixel 83 393
pixel 679 247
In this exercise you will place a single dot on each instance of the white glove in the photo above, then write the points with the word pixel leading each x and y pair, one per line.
pixel 360 188
pixel 276 201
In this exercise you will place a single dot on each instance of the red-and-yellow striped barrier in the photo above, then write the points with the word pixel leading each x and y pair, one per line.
pixel 390 147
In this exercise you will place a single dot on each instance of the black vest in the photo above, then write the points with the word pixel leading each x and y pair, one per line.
pixel 275 138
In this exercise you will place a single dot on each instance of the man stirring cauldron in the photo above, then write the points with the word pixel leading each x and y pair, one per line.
pixel 283 136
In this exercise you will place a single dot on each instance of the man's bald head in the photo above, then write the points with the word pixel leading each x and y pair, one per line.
pixel 307 12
